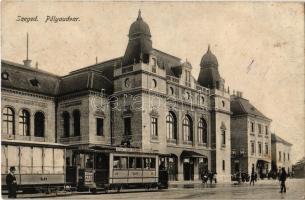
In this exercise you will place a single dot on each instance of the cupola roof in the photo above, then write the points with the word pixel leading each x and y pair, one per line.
pixel 209 59
pixel 139 27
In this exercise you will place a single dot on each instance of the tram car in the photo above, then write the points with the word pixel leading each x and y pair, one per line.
pixel 117 169
pixel 40 166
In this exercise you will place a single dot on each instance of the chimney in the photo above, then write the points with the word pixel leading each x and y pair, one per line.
pixel 27 62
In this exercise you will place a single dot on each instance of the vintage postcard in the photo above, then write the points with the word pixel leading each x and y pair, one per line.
pixel 152 100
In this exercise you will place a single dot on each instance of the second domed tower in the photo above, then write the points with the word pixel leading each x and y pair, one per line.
pixel 140 45
pixel 209 75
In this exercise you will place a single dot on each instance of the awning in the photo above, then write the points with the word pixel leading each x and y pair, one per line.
pixel 261 160
pixel 191 154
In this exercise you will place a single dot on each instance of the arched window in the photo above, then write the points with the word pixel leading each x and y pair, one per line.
pixel 223 133
pixel 171 126
pixel 39 124
pixel 66 124
pixel 24 123
pixel 8 121
pixel 187 128
pixel 76 122
pixel 202 131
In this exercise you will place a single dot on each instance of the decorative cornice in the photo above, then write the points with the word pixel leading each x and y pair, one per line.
pixel 27 93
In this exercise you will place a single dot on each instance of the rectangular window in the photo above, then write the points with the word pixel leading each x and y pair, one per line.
pixel 259 128
pixel 280 156
pixel 266 149
pixel 223 165
pixel 132 163
pixel 116 162
pixel 259 148
pixel 139 163
pixel 127 126
pixel 267 130
pixel 252 148
pixel 123 163
pixel 284 156
pixel 99 126
pixel 252 127
pixel 223 137
pixel 288 157
pixel 154 126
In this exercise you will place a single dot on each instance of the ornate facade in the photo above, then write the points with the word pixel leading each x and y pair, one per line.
pixel 145 99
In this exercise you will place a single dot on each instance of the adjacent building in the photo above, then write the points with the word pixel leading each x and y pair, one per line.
pixel 250 137
pixel 281 153
pixel 145 99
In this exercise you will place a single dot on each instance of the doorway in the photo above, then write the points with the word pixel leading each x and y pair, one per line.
pixel 188 169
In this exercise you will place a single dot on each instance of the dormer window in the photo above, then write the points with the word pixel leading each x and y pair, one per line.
pixel 4 76
pixel 34 82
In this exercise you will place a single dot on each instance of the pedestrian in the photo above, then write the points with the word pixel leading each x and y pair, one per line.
pixel 255 176
pixel 215 177
pixel 11 183
pixel 252 178
pixel 283 177
pixel 211 175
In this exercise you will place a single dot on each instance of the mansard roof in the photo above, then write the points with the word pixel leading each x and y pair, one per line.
pixel 89 79
pixel 275 138
pixel 94 77
pixel 28 79
pixel 241 106
pixel 38 81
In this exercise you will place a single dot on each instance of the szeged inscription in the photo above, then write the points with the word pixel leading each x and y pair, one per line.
pixel 47 19
pixel 27 102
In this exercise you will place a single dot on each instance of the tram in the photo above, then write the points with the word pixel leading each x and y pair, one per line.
pixel 40 166
pixel 115 169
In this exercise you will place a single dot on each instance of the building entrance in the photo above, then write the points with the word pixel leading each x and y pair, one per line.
pixel 188 169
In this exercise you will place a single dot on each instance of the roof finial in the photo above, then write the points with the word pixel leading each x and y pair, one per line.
pixel 139 15
pixel 209 47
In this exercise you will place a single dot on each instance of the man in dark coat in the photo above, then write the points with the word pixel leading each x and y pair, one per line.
pixel 252 178
pixel 11 183
pixel 282 178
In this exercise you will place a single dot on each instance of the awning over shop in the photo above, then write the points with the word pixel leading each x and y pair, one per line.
pixel 263 160
pixel 191 154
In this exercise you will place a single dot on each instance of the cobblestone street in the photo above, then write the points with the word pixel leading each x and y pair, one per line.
pixel 266 189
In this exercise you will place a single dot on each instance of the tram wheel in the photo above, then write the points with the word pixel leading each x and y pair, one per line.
pixel 93 190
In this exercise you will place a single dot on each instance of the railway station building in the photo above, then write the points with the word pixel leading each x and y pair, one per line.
pixel 146 99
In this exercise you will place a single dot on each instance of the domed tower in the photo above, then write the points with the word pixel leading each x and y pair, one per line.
pixel 140 45
pixel 209 75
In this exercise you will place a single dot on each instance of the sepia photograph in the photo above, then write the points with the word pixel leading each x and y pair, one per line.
pixel 152 100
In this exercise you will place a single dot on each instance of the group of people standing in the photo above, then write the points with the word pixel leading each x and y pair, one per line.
pixel 208 176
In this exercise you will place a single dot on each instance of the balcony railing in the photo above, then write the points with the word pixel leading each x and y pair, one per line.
pixel 204 90
pixel 172 79
pixel 127 69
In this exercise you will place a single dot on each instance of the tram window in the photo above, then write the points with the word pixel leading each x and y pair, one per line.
pixel 152 163
pixel 146 163
pixel 123 163
pixel 139 163
pixel 132 163
pixel 116 163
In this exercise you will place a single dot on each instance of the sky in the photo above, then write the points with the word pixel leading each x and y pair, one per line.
pixel 259 45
